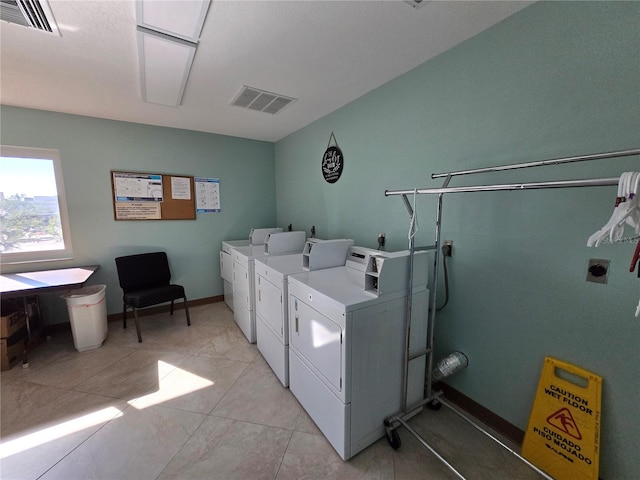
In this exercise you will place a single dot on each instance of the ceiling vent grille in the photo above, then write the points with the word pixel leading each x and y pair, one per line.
pixel 29 13
pixel 260 100
pixel 416 3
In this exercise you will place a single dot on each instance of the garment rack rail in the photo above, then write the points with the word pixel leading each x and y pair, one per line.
pixel 435 399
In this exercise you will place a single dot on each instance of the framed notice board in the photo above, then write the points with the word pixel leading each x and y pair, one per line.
pixel 152 196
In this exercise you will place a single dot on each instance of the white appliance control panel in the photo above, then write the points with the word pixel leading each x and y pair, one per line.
pixel 258 236
pixel 281 243
pixel 326 253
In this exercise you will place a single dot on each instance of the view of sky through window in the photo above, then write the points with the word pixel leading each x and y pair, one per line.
pixel 29 208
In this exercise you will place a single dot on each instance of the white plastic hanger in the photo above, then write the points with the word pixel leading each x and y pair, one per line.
pixel 633 220
pixel 628 209
pixel 601 234
pixel 630 213
pixel 626 212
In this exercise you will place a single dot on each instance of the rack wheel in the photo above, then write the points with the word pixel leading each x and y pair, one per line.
pixel 434 405
pixel 393 437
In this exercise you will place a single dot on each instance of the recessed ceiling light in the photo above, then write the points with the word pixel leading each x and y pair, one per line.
pixel 176 18
pixel 168 34
pixel 165 63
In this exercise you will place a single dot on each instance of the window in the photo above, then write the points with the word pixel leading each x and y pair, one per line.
pixel 34 225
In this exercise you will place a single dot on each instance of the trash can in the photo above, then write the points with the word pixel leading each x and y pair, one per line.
pixel 88 316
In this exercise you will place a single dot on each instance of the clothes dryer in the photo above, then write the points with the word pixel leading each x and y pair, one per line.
pixel 281 243
pixel 347 343
pixel 257 236
pixel 271 306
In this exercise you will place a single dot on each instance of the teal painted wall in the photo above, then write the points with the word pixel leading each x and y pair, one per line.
pixel 556 79
pixel 90 148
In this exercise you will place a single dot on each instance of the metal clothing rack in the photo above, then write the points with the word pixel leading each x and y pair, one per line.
pixel 435 399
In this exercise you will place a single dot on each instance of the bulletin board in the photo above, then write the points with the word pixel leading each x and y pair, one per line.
pixel 152 196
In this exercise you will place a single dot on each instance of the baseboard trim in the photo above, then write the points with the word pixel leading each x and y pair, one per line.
pixel 483 414
pixel 117 317
pixel 486 416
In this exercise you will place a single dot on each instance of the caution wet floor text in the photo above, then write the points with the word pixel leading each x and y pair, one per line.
pixel 563 433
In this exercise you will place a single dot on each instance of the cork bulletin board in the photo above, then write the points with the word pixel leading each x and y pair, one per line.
pixel 152 196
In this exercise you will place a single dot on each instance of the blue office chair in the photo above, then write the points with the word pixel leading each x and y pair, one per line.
pixel 145 281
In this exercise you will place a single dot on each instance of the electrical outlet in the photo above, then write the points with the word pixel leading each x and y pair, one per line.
pixel 597 270
pixel 447 248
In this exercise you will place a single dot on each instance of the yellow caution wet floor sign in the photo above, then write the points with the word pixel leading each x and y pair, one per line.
pixel 563 434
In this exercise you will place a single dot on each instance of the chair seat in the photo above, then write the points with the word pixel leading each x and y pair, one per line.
pixel 153 296
pixel 145 281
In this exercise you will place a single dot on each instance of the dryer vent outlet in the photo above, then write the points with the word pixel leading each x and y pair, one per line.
pixel 597 270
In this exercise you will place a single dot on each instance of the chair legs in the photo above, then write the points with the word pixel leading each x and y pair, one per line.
pixel 186 311
pixel 135 316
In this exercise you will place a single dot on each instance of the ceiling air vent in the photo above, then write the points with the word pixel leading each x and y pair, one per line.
pixel 29 13
pixel 261 101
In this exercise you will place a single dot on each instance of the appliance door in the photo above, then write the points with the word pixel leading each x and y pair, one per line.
pixel 242 285
pixel 226 266
pixel 318 340
pixel 273 350
pixel 244 318
pixel 327 411
pixel 226 272
pixel 269 307
pixel 228 294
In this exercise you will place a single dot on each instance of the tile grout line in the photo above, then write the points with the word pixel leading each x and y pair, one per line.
pixel 86 439
pixel 204 417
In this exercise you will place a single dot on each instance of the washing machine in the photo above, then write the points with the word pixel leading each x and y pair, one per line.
pixel 347 343
pixel 256 237
pixel 280 243
pixel 271 307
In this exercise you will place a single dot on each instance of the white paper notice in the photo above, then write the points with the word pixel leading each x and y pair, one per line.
pixel 180 188
pixel 137 187
pixel 207 195
pixel 137 211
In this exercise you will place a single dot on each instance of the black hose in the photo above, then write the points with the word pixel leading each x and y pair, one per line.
pixel 446 281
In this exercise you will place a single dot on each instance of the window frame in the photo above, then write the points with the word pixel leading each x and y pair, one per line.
pixel 66 253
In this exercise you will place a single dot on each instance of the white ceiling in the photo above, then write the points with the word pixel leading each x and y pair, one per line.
pixel 324 53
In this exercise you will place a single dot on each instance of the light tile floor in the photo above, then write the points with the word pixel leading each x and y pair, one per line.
pixel 199 402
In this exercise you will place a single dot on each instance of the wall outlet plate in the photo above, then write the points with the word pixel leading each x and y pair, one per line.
pixel 448 252
pixel 597 270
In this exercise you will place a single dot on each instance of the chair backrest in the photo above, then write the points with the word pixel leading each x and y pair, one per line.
pixel 146 270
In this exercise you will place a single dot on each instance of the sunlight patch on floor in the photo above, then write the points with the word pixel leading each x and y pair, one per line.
pixel 58 431
pixel 173 382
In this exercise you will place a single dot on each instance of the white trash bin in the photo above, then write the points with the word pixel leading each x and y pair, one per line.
pixel 88 316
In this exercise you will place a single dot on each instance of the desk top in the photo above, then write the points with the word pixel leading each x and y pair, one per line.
pixel 32 283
